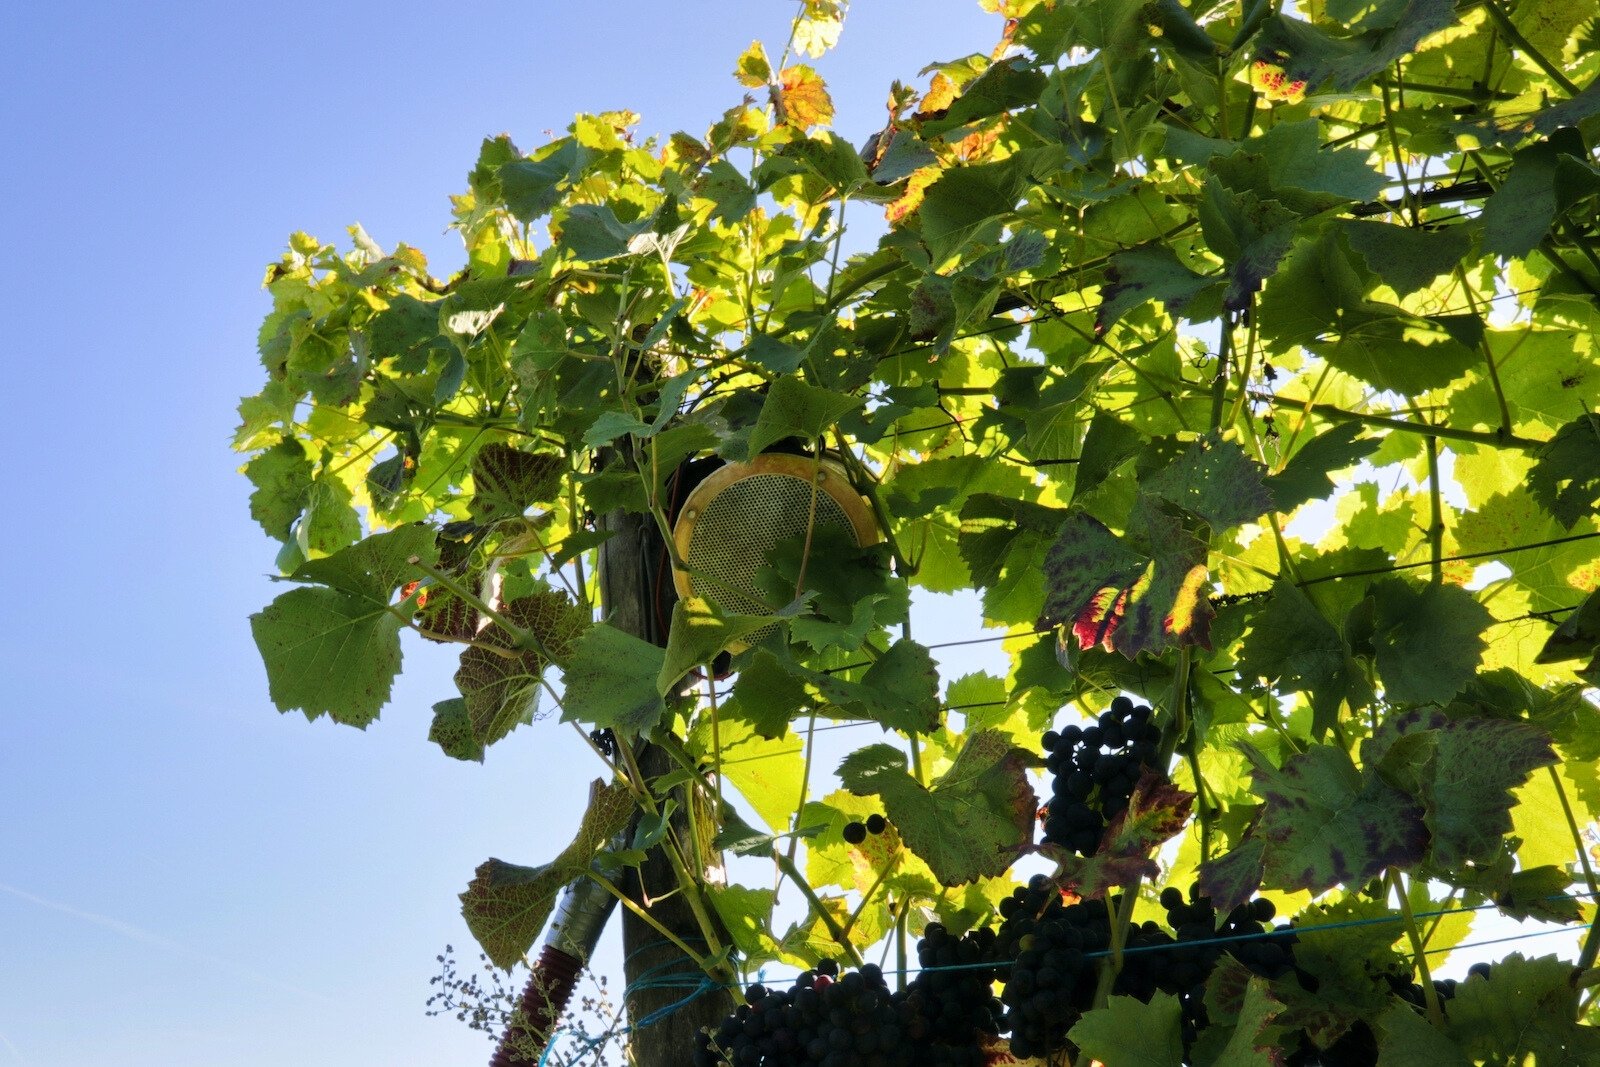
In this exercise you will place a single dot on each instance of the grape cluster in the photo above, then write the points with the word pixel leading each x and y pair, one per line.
pixel 1201 942
pixel 951 1003
pixel 854 1020
pixel 856 832
pixel 1054 948
pixel 822 1020
pixel 1095 769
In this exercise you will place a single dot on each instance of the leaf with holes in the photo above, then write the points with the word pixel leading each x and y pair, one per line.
pixel 500 676
pixel 506 905
pixel 508 481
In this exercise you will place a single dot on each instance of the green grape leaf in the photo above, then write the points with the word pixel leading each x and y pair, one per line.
pixel 611 682
pixel 376 567
pixel 1467 784
pixel 699 632
pixel 1129 1032
pixel 974 821
pixel 1352 947
pixel 1409 1039
pixel 1519 214
pixel 334 647
pixel 531 187
pixel 850 588
pixel 452 731
pixel 1252 1036
pixel 508 481
pixel 1138 275
pixel 1249 233
pixel 1578 637
pixel 282 477
pixel 1290 163
pixel 902 688
pixel 904 154
pixel 1309 55
pixel 593 233
pixel 1324 824
pixel 1523 1012
pixel 768 695
pixel 965 199
pixel 899 691
pixel 1001 87
pixel 1292 645
pixel 329 523
pixel 499 678
pixel 406 331
pixel 746 915
pixel 795 409
pixel 1405 257
pixel 1428 640
pixel 1157 810
pixel 506 905
pixel 329 652
pixel 730 190
pixel 1214 481
pixel 1566 473
pixel 1308 474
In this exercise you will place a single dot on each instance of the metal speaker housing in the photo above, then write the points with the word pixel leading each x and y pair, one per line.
pixel 733 519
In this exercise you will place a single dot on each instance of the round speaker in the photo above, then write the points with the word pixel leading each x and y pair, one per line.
pixel 733 519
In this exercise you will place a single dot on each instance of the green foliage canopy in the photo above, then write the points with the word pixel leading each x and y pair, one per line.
pixel 1157 287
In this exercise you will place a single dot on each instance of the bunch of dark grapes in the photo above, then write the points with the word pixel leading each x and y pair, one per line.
pixel 1201 943
pixel 605 741
pixel 1055 948
pixel 1095 769
pixel 951 1003
pixel 820 1021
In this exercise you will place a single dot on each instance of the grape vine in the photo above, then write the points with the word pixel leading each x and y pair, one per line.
pixel 1231 364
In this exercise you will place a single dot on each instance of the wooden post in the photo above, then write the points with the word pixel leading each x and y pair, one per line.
pixel 636 594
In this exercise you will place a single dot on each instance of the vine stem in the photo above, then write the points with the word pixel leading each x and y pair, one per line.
pixel 1430 995
pixel 1436 516
pixel 650 920
pixel 1525 46
pixel 838 934
pixel 1179 703
pixel 866 898
pixel 1591 939
pixel 1478 437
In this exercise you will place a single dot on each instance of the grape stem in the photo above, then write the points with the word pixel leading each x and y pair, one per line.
pixel 1111 966
pixel 1430 995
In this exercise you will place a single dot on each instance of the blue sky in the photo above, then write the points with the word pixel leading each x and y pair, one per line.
pixel 186 877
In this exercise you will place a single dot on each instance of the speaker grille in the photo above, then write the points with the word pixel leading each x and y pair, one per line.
pixel 734 519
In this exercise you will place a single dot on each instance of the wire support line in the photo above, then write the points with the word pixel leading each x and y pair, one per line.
pixel 1287 931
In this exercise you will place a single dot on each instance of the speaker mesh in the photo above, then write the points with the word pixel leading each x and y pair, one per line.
pixel 734 519
pixel 741 525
